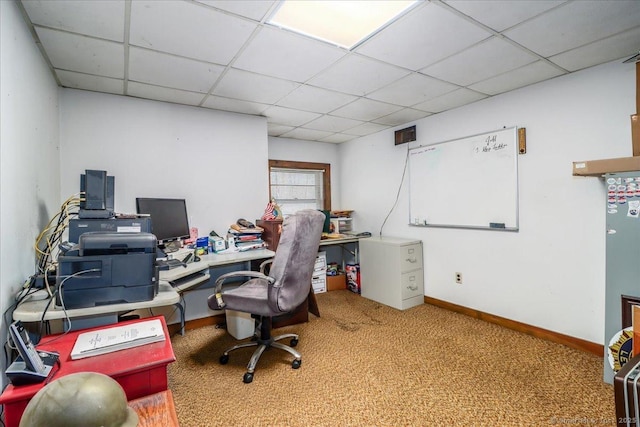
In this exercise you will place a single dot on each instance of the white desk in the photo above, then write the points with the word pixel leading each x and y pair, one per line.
pixel 34 311
pixel 197 272
pixel 341 240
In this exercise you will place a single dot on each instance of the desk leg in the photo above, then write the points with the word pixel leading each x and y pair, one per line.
pixel 181 308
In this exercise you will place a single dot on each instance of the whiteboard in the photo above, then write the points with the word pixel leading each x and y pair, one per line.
pixel 470 182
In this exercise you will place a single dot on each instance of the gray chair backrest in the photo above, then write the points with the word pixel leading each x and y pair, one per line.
pixel 294 261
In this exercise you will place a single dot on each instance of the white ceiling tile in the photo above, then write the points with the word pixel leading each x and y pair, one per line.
pixel 500 14
pixel 158 93
pixel 83 54
pixel 88 82
pixel 418 39
pixel 235 105
pixel 529 74
pixel 366 109
pixel 306 134
pixel 188 29
pixel 286 55
pixel 486 59
pixel 450 100
pixel 289 117
pixel 411 90
pixel 253 87
pixel 366 129
pixel 161 69
pixel 619 46
pixel 575 24
pixel 420 64
pixel 277 130
pixel 358 75
pixel 97 18
pixel 253 9
pixel 314 99
pixel 401 117
pixel 332 123
pixel 338 138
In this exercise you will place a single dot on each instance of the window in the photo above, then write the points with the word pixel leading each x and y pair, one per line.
pixel 300 185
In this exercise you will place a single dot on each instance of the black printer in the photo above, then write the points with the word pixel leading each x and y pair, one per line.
pixel 107 268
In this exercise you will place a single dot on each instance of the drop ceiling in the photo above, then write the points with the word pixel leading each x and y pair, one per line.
pixel 223 55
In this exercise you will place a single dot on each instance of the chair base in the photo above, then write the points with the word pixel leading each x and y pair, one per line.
pixel 263 343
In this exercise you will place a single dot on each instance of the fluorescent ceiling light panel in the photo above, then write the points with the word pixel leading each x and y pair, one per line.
pixel 343 23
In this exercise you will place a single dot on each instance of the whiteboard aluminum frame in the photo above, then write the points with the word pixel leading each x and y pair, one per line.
pixel 516 228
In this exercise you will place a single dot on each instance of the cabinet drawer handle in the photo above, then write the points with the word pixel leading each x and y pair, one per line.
pixel 412 260
pixel 412 288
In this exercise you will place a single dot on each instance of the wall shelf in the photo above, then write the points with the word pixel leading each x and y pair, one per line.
pixel 600 167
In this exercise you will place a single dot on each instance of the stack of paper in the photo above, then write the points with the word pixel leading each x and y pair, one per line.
pixel 116 338
pixel 246 238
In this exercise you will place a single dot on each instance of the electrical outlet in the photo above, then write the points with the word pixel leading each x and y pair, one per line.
pixel 459 278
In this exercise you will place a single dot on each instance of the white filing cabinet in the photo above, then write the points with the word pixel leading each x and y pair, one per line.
pixel 391 271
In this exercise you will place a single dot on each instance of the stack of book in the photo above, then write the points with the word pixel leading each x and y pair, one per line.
pixel 247 238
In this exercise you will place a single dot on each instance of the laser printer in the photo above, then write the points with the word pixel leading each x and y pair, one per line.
pixel 107 268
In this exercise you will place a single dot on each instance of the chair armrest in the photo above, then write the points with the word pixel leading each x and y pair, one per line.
pixel 264 264
pixel 220 280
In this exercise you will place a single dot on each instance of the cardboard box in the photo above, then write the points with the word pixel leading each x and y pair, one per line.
pixel 635 134
pixel 319 283
pixel 353 277
pixel 321 262
pixel 600 167
pixel 338 282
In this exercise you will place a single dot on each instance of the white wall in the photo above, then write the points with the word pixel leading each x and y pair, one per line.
pixel 308 151
pixel 551 273
pixel 217 161
pixel 29 158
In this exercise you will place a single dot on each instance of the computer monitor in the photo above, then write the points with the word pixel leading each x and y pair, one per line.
pixel 169 221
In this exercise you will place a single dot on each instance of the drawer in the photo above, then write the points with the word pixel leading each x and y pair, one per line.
pixel 410 257
pixel 412 284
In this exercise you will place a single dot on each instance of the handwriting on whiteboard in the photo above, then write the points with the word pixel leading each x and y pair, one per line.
pixel 421 150
pixel 490 145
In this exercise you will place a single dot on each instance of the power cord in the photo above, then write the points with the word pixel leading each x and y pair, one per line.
pixel 59 294
pixel 404 171
pixel 46 244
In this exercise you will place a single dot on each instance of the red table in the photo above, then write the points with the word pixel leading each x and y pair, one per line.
pixel 140 371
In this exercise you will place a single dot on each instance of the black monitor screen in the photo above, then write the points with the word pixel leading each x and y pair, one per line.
pixel 169 219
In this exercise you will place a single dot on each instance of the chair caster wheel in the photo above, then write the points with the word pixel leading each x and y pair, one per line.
pixel 294 342
pixel 296 364
pixel 224 359
pixel 247 378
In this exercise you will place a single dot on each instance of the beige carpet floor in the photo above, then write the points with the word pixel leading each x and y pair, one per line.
pixel 366 364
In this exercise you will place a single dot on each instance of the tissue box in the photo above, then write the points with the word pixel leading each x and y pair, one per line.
pixel 217 244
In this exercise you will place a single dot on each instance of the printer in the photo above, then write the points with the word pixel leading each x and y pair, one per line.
pixel 107 268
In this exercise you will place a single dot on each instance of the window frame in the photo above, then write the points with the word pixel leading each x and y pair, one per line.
pixel 326 176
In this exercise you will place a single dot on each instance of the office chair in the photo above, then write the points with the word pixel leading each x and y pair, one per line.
pixel 281 291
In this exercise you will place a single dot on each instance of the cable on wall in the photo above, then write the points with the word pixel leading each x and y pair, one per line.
pixel 404 172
